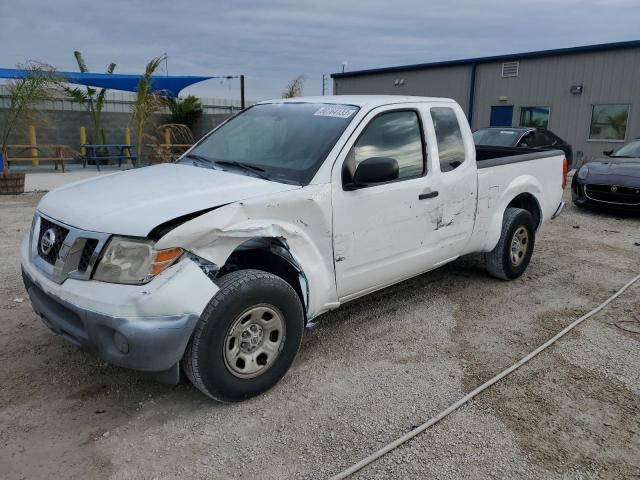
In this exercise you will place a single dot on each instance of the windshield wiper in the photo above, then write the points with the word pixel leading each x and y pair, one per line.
pixel 202 159
pixel 245 166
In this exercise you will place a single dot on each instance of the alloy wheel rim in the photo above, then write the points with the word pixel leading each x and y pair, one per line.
pixel 254 341
pixel 519 245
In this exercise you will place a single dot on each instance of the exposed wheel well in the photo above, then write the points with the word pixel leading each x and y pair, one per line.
pixel 269 255
pixel 528 202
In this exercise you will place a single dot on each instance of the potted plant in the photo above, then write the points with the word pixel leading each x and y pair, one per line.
pixel 25 94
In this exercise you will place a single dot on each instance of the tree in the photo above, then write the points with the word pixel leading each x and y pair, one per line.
pixel 184 111
pixel 147 101
pixel 36 86
pixel 91 98
pixel 294 88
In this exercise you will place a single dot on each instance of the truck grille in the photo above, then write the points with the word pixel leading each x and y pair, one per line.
pixel 613 194
pixel 87 252
pixel 62 252
pixel 51 249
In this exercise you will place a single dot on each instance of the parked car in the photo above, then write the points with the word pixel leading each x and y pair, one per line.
pixel 527 137
pixel 611 182
pixel 217 262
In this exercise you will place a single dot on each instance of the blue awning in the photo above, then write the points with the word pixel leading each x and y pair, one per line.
pixel 168 85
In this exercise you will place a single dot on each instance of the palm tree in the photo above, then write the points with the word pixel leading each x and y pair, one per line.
pixel 147 101
pixel 93 99
pixel 25 94
pixel 184 111
pixel 294 88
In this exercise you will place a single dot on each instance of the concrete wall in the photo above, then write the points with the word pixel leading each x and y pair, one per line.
pixel 60 120
pixel 63 126
pixel 611 76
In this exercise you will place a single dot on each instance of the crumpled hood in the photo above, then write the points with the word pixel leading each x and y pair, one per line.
pixel 612 171
pixel 136 201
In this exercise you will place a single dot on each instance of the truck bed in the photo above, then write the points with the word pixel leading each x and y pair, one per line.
pixel 490 156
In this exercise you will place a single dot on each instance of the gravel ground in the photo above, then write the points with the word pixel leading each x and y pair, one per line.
pixel 374 369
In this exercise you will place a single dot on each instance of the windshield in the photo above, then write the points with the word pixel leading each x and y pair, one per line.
pixel 284 142
pixel 496 137
pixel 630 150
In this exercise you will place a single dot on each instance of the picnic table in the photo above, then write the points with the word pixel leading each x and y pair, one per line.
pixel 17 154
pixel 99 153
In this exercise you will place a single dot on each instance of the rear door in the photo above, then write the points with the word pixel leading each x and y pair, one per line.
pixel 457 183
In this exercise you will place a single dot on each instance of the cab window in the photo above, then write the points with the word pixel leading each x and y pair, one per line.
pixel 396 135
pixel 449 137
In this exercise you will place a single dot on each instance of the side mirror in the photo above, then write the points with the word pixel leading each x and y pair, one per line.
pixel 374 170
pixel 608 152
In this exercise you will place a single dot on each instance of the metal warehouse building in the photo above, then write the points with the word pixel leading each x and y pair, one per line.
pixel 589 96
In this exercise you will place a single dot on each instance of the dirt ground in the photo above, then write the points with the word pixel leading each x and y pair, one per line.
pixel 373 370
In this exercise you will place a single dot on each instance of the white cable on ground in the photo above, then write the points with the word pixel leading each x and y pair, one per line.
pixel 396 443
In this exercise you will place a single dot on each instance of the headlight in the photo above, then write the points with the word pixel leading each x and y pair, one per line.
pixel 583 172
pixel 133 261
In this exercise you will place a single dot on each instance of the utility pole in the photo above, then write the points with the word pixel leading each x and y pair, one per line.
pixel 242 92
pixel 323 83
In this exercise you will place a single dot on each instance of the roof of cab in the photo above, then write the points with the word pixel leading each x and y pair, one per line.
pixel 362 100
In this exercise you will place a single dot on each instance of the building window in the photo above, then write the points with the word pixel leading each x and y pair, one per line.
pixel 609 122
pixel 449 137
pixel 510 69
pixel 534 117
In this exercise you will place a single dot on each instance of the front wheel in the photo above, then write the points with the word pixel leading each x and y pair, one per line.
pixel 510 257
pixel 246 338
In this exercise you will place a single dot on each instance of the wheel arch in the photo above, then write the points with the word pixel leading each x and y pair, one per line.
pixel 272 255
pixel 527 201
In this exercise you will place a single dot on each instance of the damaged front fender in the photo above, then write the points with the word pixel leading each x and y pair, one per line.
pixel 300 219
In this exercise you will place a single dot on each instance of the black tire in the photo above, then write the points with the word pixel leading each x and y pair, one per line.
pixel 499 262
pixel 204 359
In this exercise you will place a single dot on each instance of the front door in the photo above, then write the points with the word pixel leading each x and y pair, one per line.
pixel 501 116
pixel 384 232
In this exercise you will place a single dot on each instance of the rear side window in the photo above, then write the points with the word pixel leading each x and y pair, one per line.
pixel 449 136
pixel 395 135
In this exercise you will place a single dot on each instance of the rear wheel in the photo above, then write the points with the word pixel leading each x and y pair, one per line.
pixel 510 257
pixel 247 337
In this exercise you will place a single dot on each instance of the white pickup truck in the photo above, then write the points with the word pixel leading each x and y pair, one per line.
pixel 217 262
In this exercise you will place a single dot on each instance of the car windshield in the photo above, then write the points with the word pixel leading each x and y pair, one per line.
pixel 630 150
pixel 283 142
pixel 496 137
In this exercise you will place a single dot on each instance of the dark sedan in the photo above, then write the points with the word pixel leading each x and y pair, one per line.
pixel 612 182
pixel 527 137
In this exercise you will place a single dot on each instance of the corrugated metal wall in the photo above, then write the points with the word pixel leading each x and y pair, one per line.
pixel 607 77
pixel 451 82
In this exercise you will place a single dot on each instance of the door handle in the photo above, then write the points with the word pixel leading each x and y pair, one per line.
pixel 424 196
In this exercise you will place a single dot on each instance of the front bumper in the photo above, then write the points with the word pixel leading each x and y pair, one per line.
pixel 144 327
pixel 581 198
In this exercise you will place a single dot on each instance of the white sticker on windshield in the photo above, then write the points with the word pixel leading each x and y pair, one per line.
pixel 336 112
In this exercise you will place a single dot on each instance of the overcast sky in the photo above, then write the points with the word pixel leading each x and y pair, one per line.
pixel 273 41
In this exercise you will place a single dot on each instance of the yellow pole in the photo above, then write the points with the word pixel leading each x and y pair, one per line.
pixel 32 141
pixel 83 141
pixel 167 142
pixel 127 141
